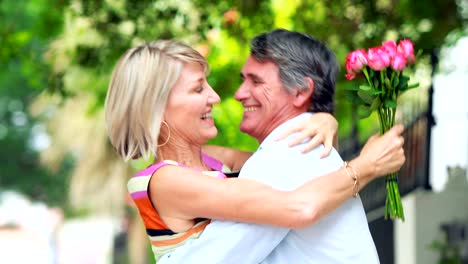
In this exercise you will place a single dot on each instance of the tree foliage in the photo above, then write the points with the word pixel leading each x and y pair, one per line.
pixel 27 27
pixel 98 32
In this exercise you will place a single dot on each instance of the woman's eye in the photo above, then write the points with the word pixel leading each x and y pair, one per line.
pixel 200 89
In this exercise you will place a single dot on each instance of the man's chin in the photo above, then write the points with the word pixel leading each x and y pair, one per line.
pixel 245 129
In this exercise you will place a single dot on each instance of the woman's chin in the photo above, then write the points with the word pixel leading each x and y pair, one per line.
pixel 212 134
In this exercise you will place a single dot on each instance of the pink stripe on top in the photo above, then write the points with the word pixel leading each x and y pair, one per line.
pixel 139 194
pixel 150 170
pixel 208 160
pixel 212 162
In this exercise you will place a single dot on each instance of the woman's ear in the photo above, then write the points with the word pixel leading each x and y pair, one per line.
pixel 302 98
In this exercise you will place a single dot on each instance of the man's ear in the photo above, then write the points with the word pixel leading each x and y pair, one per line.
pixel 302 97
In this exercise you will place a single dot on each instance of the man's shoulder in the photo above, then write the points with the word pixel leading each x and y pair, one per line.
pixel 282 149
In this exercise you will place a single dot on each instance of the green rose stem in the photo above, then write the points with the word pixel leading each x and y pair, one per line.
pixel 393 205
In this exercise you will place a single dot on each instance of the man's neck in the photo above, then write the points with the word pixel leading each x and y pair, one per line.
pixel 278 120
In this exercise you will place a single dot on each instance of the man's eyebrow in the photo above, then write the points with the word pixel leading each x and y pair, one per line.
pixel 252 76
pixel 255 77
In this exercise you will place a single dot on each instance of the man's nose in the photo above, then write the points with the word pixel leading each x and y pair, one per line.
pixel 241 92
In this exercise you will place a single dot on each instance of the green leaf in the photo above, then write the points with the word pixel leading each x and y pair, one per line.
pixel 403 82
pixel 376 82
pixel 409 87
pixel 353 97
pixel 375 92
pixel 395 81
pixel 376 103
pixel 371 74
pixel 404 78
pixel 365 96
pixel 365 87
pixel 352 88
pixel 388 84
pixel 390 103
pixel 363 111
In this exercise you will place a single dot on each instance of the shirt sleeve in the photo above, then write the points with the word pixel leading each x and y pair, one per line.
pixel 229 242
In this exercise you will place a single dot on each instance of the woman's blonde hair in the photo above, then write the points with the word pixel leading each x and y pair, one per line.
pixel 140 85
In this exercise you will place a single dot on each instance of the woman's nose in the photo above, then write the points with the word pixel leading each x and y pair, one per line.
pixel 213 97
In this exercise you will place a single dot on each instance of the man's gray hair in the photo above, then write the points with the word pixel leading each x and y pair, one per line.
pixel 298 56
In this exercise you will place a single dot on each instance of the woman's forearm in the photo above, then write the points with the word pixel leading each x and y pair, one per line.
pixel 380 156
pixel 320 196
pixel 310 202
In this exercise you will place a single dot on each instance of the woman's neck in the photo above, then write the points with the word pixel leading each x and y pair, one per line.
pixel 187 154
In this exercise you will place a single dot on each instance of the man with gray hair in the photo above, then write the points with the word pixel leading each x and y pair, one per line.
pixel 287 76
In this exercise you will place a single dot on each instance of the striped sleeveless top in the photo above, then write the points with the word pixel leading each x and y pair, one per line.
pixel 162 239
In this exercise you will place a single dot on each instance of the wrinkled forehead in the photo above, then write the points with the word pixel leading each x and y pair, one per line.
pixel 264 69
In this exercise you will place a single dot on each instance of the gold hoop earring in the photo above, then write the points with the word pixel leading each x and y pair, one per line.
pixel 168 133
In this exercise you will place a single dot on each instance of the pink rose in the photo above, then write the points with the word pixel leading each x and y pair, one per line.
pixel 385 56
pixel 398 62
pixel 355 61
pixel 405 46
pixel 390 47
pixel 377 58
pixel 350 76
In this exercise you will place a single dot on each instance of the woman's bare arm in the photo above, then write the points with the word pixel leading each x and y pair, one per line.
pixel 185 194
pixel 233 158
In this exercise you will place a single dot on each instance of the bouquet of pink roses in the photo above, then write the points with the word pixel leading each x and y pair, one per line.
pixel 382 68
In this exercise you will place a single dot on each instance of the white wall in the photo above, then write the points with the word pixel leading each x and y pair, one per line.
pixel 449 142
pixel 425 212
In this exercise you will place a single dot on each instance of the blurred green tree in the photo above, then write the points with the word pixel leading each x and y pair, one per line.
pixel 27 27
pixel 98 32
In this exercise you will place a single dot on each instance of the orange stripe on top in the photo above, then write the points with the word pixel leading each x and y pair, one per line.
pixel 162 239
pixel 177 240
pixel 149 214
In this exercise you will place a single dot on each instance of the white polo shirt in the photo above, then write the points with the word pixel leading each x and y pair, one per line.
pixel 341 237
